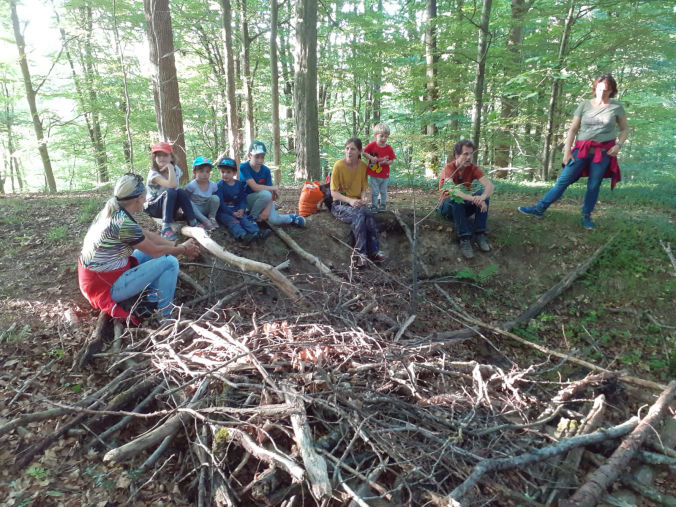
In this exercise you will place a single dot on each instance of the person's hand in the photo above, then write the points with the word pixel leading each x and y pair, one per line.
pixel 358 203
pixel 191 249
pixel 264 215
pixel 480 201
pixel 275 193
pixel 612 152
pixel 238 214
pixel 567 156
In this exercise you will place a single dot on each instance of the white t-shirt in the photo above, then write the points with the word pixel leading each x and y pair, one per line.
pixel 197 195
pixel 155 190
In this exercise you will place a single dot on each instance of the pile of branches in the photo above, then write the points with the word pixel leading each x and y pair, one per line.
pixel 296 412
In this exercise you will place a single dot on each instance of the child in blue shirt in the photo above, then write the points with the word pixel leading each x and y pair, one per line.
pixel 260 192
pixel 201 191
pixel 232 213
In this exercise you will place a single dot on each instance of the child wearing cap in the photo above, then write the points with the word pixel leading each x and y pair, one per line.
pixel 260 192
pixel 165 199
pixel 202 193
pixel 232 197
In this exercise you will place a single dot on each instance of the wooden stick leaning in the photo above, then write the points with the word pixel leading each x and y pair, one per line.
pixel 280 281
pixel 315 261
pixel 597 482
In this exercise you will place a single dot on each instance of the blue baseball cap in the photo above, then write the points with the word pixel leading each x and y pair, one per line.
pixel 257 148
pixel 227 162
pixel 202 161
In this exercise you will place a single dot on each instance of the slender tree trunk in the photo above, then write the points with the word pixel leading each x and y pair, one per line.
pixel 233 132
pixel 431 91
pixel 30 97
pixel 482 50
pixel 509 103
pixel 274 73
pixel 247 78
pixel 288 87
pixel 378 73
pixel 168 112
pixel 555 96
pixel 305 91
pixel 128 143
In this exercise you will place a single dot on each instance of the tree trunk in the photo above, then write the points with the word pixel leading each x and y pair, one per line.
pixel 247 79
pixel 555 95
pixel 288 87
pixel 482 50
pixel 274 72
pixel 431 92
pixel 30 97
pixel 305 91
pixel 233 132
pixel 127 143
pixel 510 104
pixel 168 113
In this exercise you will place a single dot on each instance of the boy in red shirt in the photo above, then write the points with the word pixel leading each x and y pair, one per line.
pixel 380 155
pixel 461 205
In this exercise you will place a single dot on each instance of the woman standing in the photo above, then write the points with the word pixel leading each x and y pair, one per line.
pixel 164 197
pixel 119 259
pixel 349 189
pixel 594 155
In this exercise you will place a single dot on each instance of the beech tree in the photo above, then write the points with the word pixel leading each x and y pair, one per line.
pixel 168 112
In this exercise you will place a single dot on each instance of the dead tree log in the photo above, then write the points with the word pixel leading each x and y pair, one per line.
pixel 94 343
pixel 277 278
pixel 597 482
pixel 315 261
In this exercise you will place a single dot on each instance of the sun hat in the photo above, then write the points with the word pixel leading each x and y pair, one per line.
pixel 202 161
pixel 163 147
pixel 257 147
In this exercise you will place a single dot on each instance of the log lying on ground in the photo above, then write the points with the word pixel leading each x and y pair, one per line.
pixel 315 261
pixel 598 481
pixel 277 278
pixel 94 343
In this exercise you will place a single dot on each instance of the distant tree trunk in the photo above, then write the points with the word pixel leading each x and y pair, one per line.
pixel 510 104
pixel 168 113
pixel 482 49
pixel 548 151
pixel 305 91
pixel 247 78
pixel 431 92
pixel 128 143
pixel 30 97
pixel 378 74
pixel 233 132
pixel 89 101
pixel 288 87
pixel 274 73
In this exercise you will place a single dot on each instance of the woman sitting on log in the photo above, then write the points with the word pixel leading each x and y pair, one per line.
pixel 348 190
pixel 119 259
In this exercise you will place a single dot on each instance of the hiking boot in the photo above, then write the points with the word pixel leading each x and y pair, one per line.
pixel 482 243
pixel 587 222
pixel 379 256
pixel 298 220
pixel 466 248
pixel 532 211
pixel 373 208
pixel 382 207
pixel 262 235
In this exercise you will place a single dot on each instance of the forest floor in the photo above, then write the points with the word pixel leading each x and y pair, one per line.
pixel 618 316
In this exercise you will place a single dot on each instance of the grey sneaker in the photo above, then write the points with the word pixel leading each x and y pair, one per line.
pixel 482 243
pixel 466 248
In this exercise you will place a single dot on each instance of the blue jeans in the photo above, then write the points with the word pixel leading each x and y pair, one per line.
pixel 158 273
pixel 460 213
pixel 257 201
pixel 570 174
pixel 378 187
pixel 238 227
pixel 166 205
pixel 362 225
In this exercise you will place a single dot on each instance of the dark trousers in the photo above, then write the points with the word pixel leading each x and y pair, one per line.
pixel 461 212
pixel 168 203
pixel 362 225
pixel 238 227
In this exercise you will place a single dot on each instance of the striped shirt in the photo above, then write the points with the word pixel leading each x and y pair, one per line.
pixel 114 244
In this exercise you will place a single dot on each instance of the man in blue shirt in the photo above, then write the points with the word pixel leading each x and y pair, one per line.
pixel 261 193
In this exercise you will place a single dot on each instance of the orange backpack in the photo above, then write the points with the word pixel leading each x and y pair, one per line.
pixel 310 196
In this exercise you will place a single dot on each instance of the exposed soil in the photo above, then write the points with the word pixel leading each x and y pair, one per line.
pixel 44 319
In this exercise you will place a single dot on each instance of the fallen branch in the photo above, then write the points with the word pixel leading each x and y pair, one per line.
pixel 185 277
pixel 499 464
pixel 277 278
pixel 598 482
pixel 315 261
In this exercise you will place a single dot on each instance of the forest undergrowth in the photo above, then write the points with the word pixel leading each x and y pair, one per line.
pixel 374 387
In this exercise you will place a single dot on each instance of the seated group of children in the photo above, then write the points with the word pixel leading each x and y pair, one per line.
pixel 237 204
